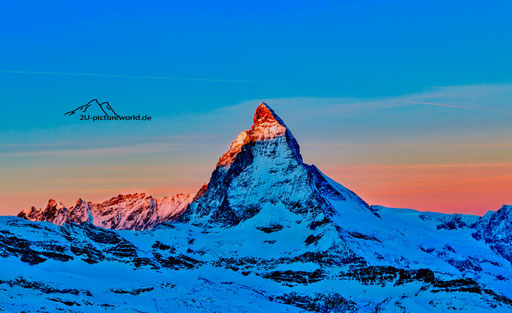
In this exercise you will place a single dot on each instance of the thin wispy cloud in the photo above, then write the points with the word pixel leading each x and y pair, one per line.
pixel 91 149
pixel 451 106
pixel 216 80
pixel 488 98
pixel 99 151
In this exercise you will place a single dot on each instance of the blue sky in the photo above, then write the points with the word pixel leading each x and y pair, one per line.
pixel 394 72
pixel 324 49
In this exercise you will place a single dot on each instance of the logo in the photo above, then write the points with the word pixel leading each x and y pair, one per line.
pixel 108 113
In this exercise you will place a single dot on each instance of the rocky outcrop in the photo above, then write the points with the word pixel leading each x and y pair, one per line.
pixel 495 229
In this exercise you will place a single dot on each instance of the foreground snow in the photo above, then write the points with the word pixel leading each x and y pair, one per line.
pixel 247 268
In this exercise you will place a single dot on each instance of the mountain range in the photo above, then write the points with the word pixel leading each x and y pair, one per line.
pixel 267 233
pixel 133 211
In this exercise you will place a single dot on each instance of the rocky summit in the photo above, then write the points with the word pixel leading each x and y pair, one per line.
pixel 267 233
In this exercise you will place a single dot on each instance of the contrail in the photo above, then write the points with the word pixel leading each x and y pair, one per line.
pixel 217 80
pixel 451 106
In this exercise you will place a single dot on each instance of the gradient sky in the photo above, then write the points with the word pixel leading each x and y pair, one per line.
pixel 407 103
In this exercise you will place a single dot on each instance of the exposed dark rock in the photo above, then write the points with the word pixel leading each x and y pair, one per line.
pixel 318 303
pixel 177 261
pixel 271 228
pixel 290 278
pixel 92 254
pixel 160 246
pixel 42 287
pixel 141 262
pixel 452 222
pixel 363 236
pixel 134 292
pixel 66 302
pixel 380 275
pixel 313 225
pixel 312 239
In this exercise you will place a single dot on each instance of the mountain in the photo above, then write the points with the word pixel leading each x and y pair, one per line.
pixel 263 170
pixel 268 233
pixel 133 211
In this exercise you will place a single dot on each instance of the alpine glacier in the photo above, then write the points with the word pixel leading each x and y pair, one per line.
pixel 268 233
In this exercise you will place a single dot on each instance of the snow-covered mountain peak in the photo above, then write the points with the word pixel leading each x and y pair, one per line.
pixel 263 169
pixel 267 126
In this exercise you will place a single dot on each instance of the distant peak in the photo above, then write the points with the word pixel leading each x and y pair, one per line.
pixel 53 204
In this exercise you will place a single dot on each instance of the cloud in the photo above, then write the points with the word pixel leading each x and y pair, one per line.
pixel 490 98
pixel 215 80
pixel 90 151
pixel 442 105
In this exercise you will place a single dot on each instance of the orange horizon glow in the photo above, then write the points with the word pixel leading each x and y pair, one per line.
pixel 449 188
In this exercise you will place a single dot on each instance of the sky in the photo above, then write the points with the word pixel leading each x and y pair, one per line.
pixel 407 103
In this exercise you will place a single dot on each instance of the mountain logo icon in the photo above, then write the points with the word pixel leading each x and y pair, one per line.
pixel 104 106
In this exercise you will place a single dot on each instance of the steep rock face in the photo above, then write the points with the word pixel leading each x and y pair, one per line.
pixel 263 167
pixel 133 211
pixel 495 228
